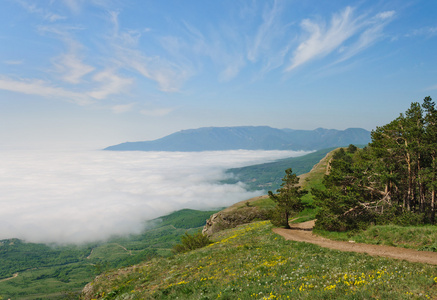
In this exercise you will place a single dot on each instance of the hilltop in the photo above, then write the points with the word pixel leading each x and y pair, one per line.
pixel 249 138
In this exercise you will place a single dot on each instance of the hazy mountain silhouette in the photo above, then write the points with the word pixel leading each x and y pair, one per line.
pixel 249 138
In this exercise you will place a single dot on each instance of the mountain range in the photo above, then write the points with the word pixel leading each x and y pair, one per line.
pixel 249 138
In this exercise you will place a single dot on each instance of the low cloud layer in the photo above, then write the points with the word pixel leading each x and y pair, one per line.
pixel 67 197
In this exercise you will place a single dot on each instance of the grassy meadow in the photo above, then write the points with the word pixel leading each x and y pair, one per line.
pixel 422 238
pixel 251 262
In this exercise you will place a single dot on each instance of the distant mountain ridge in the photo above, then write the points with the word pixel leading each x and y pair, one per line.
pixel 249 138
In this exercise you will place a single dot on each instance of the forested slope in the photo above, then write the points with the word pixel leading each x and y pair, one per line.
pixel 392 181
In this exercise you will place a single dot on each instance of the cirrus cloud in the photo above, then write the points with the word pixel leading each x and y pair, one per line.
pixel 323 40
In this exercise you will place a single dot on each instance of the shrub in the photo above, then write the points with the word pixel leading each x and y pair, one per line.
pixel 330 222
pixel 400 216
pixel 191 242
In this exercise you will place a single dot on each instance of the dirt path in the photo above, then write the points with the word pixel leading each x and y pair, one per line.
pixel 302 232
pixel 13 276
pixel 124 248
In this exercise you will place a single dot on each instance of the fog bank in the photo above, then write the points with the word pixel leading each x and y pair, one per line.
pixel 76 197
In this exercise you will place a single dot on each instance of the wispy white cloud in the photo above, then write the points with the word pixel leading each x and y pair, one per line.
pixel 323 40
pixel 52 17
pixel 267 31
pixel 386 15
pixel 13 62
pixel 109 83
pixel 33 8
pixel 232 69
pixel 222 45
pixel 424 31
pixel 72 67
pixel 112 84
pixel 232 49
pixel 169 75
pixel 70 63
pixel 370 35
pixel 122 108
pixel 257 41
pixel 159 112
pixel 42 88
pixel 73 5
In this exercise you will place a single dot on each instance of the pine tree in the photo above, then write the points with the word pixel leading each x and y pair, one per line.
pixel 288 199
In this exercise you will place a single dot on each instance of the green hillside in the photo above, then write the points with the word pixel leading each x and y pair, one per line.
pixel 59 272
pixel 252 262
pixel 268 176
pixel 186 218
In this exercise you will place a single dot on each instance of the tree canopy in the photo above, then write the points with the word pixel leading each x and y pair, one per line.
pixel 288 199
pixel 392 180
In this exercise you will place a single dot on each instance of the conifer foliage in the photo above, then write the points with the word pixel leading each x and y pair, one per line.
pixel 393 180
pixel 288 199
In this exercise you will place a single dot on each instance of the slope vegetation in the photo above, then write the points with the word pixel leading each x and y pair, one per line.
pixel 268 176
pixel 258 208
pixel 252 262
pixel 38 271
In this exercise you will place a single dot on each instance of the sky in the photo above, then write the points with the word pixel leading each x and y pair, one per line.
pixel 93 73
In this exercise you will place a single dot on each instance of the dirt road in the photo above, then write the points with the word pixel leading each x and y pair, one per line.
pixel 302 232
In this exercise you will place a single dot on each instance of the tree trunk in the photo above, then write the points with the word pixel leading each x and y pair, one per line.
pixel 433 189
pixel 410 184
pixel 433 206
pixel 286 220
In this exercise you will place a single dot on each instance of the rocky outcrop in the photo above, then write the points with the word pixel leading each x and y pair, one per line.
pixel 231 218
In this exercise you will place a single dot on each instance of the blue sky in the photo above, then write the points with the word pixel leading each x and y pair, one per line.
pixel 92 73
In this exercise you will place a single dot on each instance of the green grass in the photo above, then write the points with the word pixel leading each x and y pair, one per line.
pixel 48 282
pixel 414 237
pixel 186 218
pixel 251 262
pixel 264 203
pixel 313 179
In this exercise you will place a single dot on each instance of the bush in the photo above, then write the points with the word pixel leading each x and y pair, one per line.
pixel 191 242
pixel 407 218
pixel 329 222
pixel 400 216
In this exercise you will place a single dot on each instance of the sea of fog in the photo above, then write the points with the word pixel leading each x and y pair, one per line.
pixel 76 197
